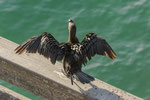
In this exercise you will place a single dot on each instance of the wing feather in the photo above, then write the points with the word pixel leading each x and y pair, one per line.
pixel 94 44
pixel 46 45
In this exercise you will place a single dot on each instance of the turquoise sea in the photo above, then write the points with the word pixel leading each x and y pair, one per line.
pixel 125 24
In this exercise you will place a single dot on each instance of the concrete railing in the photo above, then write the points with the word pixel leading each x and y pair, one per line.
pixel 7 94
pixel 36 74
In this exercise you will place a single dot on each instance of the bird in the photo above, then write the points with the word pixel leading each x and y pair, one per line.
pixel 72 53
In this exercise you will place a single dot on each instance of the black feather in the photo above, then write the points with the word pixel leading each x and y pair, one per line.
pixel 45 44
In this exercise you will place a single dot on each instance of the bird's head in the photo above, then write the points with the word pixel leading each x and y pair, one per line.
pixel 72 32
pixel 71 25
pixel 70 20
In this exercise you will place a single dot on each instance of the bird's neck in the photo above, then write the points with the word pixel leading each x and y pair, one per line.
pixel 72 34
pixel 73 39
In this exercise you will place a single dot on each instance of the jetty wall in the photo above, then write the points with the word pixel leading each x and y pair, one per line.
pixel 36 74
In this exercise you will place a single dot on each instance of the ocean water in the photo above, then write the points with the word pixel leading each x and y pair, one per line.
pixel 125 24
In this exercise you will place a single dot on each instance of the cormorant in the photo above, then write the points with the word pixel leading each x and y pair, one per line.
pixel 73 53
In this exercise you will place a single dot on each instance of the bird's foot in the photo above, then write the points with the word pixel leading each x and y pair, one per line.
pixel 61 74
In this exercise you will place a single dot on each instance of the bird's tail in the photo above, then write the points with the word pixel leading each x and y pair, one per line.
pixel 82 77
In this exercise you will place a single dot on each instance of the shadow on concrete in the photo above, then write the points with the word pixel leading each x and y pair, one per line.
pixel 98 93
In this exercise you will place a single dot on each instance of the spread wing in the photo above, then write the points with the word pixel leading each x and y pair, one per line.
pixel 94 44
pixel 46 45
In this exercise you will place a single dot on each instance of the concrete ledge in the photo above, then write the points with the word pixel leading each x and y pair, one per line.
pixel 37 75
pixel 7 94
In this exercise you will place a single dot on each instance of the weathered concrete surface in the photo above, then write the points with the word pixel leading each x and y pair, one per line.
pixel 7 94
pixel 37 75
